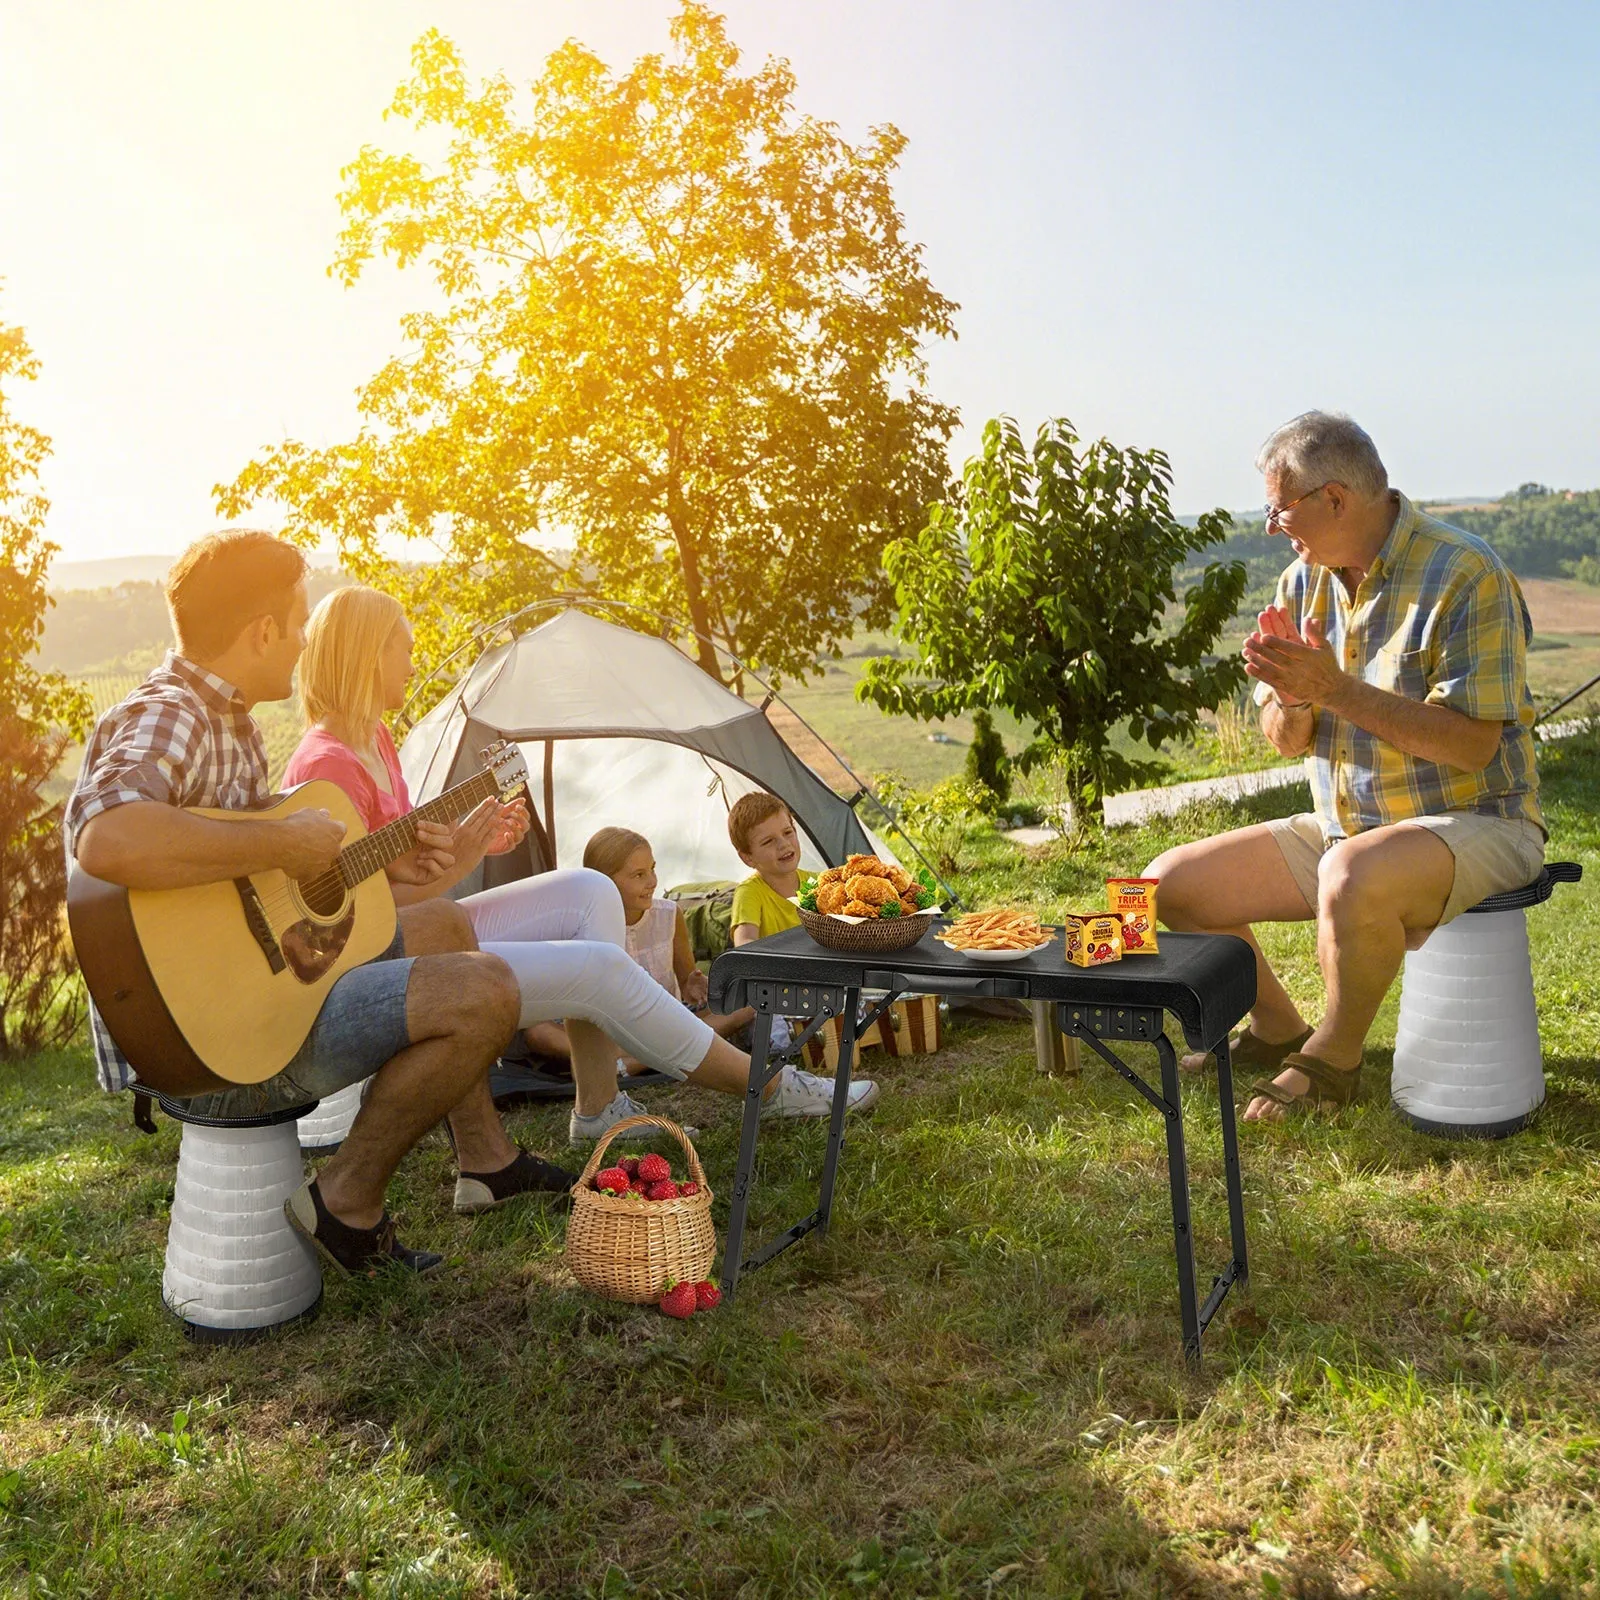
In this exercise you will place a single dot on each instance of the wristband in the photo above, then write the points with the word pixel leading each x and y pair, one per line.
pixel 1289 705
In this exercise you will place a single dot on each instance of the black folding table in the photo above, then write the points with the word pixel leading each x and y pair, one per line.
pixel 1206 981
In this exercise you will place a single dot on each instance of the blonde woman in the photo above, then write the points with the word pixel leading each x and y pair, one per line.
pixel 562 933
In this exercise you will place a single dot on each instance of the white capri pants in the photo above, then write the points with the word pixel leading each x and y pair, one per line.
pixel 563 936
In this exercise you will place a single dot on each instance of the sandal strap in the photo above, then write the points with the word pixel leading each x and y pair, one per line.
pixel 1330 1085
pixel 1269 1090
pixel 1245 1049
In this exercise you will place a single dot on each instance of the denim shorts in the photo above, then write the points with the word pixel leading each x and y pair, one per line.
pixel 362 1025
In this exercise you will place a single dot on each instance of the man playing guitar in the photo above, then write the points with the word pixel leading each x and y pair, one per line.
pixel 425 1019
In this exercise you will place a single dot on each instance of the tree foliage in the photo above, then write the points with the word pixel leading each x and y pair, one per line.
pixel 1044 585
pixel 38 1000
pixel 1538 532
pixel 677 322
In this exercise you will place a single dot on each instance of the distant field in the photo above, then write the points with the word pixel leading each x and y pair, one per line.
pixel 1566 618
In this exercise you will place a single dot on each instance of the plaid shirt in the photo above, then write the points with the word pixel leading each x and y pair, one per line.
pixel 1438 618
pixel 183 738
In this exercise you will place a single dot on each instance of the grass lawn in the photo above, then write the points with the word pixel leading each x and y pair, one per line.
pixel 972 1387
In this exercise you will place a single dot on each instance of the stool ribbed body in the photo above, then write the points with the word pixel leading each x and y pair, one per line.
pixel 1466 1055
pixel 322 1131
pixel 235 1269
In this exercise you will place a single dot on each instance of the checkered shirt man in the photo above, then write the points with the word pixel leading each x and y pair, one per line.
pixel 1439 618
pixel 182 738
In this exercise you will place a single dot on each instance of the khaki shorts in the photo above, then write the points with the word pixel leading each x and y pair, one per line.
pixel 1492 854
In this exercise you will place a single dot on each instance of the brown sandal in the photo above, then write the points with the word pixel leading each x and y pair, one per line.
pixel 1329 1085
pixel 1248 1052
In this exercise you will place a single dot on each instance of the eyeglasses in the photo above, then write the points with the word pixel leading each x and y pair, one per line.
pixel 1276 514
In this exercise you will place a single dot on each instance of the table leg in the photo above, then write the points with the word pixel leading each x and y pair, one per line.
pixel 1178 1180
pixel 841 1101
pixel 733 1250
pixel 1055 1053
pixel 1230 1164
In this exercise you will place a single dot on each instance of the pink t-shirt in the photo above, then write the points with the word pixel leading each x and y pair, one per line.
pixel 320 755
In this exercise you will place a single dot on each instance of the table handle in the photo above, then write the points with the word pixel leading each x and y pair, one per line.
pixel 988 988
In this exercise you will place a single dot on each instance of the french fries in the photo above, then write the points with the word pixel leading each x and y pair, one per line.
pixel 996 930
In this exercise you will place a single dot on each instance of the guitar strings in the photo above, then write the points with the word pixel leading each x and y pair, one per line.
pixel 372 849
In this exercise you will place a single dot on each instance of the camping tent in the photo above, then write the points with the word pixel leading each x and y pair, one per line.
pixel 621 728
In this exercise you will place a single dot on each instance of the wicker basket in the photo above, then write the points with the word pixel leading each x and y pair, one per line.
pixel 877 937
pixel 625 1247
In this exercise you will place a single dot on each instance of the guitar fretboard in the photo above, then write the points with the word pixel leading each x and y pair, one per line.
pixel 371 854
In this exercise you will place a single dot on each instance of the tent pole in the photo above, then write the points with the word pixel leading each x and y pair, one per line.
pixel 550 797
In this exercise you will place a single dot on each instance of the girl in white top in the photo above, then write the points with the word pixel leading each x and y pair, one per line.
pixel 656 935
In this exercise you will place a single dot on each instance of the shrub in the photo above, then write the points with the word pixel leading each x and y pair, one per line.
pixel 987 761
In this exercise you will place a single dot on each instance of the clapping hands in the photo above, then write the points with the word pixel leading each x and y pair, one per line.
pixel 1298 665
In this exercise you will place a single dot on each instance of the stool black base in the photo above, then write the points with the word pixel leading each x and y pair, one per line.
pixel 203 1333
pixel 1466 1130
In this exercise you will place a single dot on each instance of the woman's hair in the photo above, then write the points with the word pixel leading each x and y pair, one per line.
pixel 609 849
pixel 340 686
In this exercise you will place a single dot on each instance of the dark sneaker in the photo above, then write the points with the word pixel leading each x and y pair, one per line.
pixel 360 1252
pixel 483 1191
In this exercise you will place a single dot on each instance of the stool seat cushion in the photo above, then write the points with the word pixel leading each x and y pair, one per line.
pixel 1531 894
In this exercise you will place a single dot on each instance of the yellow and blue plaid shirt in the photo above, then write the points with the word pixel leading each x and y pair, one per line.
pixel 1438 618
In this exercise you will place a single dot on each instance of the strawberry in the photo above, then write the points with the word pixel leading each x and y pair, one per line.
pixel 707 1296
pixel 637 1186
pixel 688 1187
pixel 654 1168
pixel 662 1189
pixel 630 1165
pixel 613 1180
pixel 680 1300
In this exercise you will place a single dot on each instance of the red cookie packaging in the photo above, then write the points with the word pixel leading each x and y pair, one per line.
pixel 1093 938
pixel 1133 902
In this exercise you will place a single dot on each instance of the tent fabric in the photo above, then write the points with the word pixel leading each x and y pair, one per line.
pixel 641 738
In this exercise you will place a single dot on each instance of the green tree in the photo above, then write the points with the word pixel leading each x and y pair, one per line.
pixel 38 711
pixel 987 762
pixel 679 323
pixel 1044 585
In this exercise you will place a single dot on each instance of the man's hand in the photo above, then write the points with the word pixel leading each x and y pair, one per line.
pixel 429 860
pixel 1299 667
pixel 511 828
pixel 307 843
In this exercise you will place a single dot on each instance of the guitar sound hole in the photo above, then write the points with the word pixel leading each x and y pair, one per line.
pixel 323 895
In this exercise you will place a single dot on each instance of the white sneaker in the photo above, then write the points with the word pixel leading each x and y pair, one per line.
pixel 584 1130
pixel 804 1094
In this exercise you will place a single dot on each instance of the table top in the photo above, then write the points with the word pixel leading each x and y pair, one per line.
pixel 1206 980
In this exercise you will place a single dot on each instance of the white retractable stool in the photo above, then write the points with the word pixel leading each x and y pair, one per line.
pixel 1467 1061
pixel 323 1129
pixel 235 1269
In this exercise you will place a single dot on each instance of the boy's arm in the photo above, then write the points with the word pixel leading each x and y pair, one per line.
pixel 745 933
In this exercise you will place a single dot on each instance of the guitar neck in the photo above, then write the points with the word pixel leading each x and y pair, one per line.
pixel 358 861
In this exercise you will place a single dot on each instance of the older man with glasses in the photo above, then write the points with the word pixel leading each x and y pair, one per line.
pixel 1393 660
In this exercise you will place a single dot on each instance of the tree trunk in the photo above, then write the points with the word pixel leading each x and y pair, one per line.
pixel 689 563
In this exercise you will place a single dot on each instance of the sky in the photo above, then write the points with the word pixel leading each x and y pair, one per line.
pixel 1176 222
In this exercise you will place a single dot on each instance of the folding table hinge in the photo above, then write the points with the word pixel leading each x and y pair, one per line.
pixel 1110 1022
pixel 795 999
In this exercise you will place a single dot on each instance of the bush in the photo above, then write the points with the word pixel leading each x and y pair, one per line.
pixel 41 1002
pixel 988 764
pixel 936 820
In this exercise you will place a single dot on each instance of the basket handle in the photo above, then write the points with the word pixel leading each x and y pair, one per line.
pixel 697 1173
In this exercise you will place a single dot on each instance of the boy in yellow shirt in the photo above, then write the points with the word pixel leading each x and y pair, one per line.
pixel 763 832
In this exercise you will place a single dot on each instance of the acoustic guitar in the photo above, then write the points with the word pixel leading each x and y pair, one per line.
pixel 219 984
